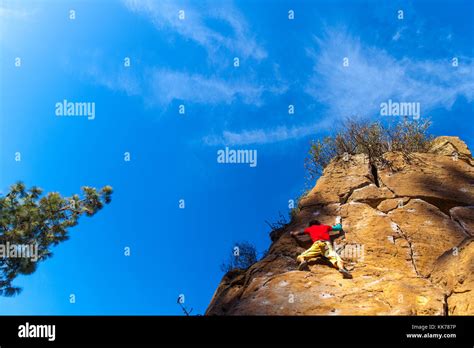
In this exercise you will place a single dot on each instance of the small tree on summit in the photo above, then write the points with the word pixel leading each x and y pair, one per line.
pixel 371 138
pixel 27 219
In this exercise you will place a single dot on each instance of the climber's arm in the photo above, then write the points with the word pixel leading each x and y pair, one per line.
pixel 336 229
pixel 297 232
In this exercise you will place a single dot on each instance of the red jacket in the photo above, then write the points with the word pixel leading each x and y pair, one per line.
pixel 318 232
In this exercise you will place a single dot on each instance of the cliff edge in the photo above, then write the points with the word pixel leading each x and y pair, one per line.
pixel 408 238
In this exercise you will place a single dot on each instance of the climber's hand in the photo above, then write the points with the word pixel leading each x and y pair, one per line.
pixel 296 233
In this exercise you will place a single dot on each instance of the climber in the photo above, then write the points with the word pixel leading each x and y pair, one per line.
pixel 322 247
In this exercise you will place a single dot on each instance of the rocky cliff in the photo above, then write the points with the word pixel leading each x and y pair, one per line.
pixel 408 238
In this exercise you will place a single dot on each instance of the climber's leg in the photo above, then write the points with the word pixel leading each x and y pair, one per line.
pixel 329 253
pixel 335 259
pixel 312 253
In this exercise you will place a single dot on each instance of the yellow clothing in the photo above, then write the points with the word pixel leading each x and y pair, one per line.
pixel 320 248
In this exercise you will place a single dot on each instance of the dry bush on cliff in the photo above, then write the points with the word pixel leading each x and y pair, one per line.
pixel 371 138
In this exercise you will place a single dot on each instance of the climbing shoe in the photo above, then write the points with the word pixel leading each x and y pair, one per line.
pixel 303 265
pixel 345 274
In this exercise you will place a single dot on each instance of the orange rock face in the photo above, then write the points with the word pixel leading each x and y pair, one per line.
pixel 408 243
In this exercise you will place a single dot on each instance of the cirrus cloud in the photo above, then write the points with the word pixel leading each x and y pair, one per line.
pixel 372 77
pixel 164 16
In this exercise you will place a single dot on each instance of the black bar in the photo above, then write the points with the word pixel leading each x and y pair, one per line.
pixel 140 330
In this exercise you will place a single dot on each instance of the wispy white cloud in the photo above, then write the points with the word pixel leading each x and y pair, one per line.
pixel 227 30
pixel 374 76
pixel 398 34
pixel 264 136
pixel 161 86
pixel 121 81
pixel 168 85
pixel 15 13
pixel 196 27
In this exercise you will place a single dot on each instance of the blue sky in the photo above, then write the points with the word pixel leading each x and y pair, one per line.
pixel 190 62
